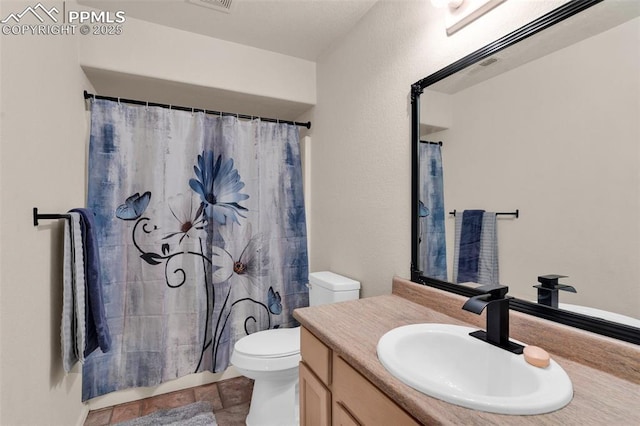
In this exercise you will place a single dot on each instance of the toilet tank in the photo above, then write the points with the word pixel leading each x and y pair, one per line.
pixel 328 287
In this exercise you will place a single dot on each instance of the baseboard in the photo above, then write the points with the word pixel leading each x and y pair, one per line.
pixel 83 415
pixel 129 395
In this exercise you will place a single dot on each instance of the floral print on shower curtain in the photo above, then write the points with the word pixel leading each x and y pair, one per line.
pixel 201 227
pixel 432 246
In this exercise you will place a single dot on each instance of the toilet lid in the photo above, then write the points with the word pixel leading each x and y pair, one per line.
pixel 270 343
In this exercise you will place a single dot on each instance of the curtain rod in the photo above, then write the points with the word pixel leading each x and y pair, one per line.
pixel 206 111
pixel 432 143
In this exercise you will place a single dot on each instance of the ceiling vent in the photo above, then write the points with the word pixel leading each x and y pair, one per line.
pixel 488 62
pixel 219 5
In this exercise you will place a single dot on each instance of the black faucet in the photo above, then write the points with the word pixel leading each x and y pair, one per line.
pixel 494 298
pixel 548 289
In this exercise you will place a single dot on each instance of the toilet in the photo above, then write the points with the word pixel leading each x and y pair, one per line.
pixel 271 357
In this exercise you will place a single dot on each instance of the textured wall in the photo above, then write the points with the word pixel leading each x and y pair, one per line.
pixel 361 151
pixel 42 165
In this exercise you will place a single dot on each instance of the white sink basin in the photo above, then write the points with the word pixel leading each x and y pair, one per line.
pixel 599 313
pixel 444 362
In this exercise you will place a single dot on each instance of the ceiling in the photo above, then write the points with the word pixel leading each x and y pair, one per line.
pixel 596 19
pixel 299 28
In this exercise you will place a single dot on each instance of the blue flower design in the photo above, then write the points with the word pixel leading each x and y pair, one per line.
pixel 218 184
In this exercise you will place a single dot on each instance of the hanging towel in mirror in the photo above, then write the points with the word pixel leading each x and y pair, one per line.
pixel 476 248
pixel 488 272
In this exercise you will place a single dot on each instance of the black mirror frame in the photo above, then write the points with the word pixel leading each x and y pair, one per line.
pixel 584 322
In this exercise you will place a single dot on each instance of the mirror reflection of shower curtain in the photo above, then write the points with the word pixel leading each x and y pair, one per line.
pixel 433 250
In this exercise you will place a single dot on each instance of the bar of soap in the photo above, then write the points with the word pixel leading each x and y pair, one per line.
pixel 536 356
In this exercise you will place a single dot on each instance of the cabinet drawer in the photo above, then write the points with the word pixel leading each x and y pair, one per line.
pixel 367 404
pixel 316 355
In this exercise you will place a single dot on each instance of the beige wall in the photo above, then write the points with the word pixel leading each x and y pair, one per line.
pixel 182 57
pixel 42 160
pixel 361 135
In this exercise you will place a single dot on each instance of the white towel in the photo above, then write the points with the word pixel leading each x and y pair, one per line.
pixel 72 330
pixel 456 246
pixel 488 270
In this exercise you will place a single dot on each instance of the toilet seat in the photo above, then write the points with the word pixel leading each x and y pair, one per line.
pixel 268 350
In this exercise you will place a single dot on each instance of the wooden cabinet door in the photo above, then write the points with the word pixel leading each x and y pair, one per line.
pixel 315 399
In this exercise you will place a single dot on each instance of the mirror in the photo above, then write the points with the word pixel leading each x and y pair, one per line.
pixel 544 122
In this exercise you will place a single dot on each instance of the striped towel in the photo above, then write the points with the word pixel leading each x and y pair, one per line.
pixel 72 330
pixel 475 257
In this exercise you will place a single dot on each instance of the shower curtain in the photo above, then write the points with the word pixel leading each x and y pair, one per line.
pixel 201 226
pixel 432 247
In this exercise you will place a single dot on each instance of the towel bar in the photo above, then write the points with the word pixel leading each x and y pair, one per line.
pixel 516 213
pixel 37 216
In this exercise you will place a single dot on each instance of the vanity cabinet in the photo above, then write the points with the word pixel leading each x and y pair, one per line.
pixel 334 393
pixel 315 399
pixel 315 381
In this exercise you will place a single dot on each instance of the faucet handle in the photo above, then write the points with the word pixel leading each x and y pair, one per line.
pixel 496 291
pixel 550 282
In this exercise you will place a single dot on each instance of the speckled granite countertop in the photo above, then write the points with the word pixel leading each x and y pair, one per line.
pixel 352 330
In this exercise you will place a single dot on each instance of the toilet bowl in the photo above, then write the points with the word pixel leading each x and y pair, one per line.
pixel 271 357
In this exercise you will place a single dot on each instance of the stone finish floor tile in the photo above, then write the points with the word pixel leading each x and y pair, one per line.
pixel 235 391
pixel 127 411
pixel 209 393
pixel 100 417
pixel 167 400
pixel 233 416
pixel 229 398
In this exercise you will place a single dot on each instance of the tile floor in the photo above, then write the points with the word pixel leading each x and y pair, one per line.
pixel 230 400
